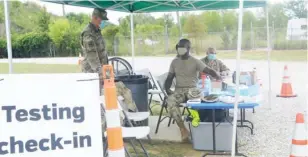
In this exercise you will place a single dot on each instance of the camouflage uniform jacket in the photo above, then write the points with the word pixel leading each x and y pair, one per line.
pixel 93 48
pixel 216 64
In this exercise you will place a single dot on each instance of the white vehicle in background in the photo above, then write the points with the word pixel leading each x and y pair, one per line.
pixel 297 29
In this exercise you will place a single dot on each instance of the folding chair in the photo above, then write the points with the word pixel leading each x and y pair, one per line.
pixel 161 82
pixel 155 90
pixel 131 132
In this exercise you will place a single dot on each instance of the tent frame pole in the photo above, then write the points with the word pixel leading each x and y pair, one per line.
pixel 238 58
pixel 8 36
pixel 179 24
pixel 268 58
pixel 132 39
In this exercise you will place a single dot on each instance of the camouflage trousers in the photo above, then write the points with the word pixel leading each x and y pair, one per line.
pixel 128 101
pixel 179 96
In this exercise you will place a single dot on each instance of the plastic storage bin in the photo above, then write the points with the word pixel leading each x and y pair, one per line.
pixel 202 136
pixel 138 84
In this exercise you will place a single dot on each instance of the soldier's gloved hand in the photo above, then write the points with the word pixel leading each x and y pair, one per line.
pixel 169 92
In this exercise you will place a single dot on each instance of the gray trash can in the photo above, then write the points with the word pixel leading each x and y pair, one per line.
pixel 138 84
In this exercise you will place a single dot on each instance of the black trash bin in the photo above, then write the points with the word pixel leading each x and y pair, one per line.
pixel 138 84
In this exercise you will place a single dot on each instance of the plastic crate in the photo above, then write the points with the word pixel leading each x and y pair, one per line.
pixel 202 136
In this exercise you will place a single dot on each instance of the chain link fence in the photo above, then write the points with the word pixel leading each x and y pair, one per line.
pixel 253 39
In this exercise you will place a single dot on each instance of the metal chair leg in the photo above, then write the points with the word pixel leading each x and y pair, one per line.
pixel 132 144
pixel 160 115
pixel 150 101
pixel 170 121
pixel 145 152
pixel 126 151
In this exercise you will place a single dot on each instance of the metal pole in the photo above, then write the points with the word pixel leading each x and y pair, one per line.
pixel 179 23
pixel 251 36
pixel 132 39
pixel 268 59
pixel 8 36
pixel 238 58
pixel 166 38
pixel 63 9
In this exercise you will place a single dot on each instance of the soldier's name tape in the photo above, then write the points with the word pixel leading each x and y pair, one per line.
pixel 52 143
pixel 46 112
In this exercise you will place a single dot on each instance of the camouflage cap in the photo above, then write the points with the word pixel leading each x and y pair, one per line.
pixel 101 13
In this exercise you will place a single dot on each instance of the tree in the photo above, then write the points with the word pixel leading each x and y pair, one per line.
pixel 44 20
pixel 1 13
pixel 212 21
pixel 166 19
pixel 58 31
pixel 109 34
pixel 277 15
pixel 124 26
pixel 297 8
pixel 194 26
pixel 229 20
pixel 81 18
pixel 248 18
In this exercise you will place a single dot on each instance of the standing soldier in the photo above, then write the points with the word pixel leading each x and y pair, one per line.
pixel 95 55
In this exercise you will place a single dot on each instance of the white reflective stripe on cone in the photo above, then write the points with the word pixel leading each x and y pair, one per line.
pixel 113 118
pixel 300 132
pixel 116 153
pixel 299 151
pixel 286 80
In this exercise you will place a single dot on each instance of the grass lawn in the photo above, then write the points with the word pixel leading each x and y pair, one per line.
pixel 39 68
pixel 288 55
pixel 166 149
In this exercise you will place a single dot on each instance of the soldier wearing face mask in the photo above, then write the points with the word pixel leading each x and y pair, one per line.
pixel 95 56
pixel 211 61
pixel 184 68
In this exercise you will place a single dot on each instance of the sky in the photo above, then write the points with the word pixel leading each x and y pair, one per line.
pixel 112 15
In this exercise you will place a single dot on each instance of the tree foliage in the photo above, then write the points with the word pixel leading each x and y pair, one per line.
pixel 297 8
pixel 194 26
pixel 212 21
pixel 34 30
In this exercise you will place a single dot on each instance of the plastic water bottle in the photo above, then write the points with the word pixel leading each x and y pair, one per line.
pixel 208 85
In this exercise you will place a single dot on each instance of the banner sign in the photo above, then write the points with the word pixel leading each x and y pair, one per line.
pixel 50 115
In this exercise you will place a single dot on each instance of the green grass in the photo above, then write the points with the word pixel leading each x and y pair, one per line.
pixel 40 68
pixel 166 149
pixel 288 55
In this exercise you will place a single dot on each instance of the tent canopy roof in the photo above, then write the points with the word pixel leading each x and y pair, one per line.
pixel 146 6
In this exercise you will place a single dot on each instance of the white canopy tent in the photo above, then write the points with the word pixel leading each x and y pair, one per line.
pixel 189 6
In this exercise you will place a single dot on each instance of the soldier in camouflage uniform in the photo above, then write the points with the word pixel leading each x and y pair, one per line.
pixel 95 55
pixel 184 68
pixel 211 61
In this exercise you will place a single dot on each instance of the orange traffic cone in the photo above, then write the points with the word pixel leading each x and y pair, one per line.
pixel 114 128
pixel 299 146
pixel 286 89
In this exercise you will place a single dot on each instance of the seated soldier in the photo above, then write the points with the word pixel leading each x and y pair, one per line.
pixel 217 65
pixel 214 63
pixel 185 69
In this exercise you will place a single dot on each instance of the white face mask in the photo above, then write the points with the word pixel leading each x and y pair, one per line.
pixel 182 51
